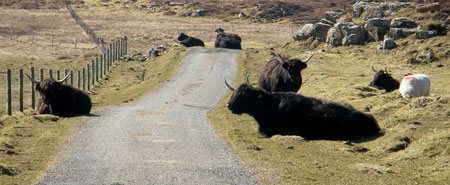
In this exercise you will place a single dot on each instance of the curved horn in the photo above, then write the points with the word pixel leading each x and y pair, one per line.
pixel 309 58
pixel 373 69
pixel 32 80
pixel 64 79
pixel 228 85
pixel 250 86
pixel 385 70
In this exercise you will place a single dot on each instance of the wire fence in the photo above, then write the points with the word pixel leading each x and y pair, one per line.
pixel 85 78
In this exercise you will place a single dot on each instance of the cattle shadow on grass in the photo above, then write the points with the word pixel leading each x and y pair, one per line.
pixel 367 139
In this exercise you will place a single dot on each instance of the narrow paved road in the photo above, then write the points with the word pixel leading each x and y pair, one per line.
pixel 164 138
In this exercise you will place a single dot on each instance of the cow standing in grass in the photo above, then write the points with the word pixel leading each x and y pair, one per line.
pixel 288 113
pixel 383 80
pixel 60 99
pixel 227 40
pixel 189 41
pixel 282 75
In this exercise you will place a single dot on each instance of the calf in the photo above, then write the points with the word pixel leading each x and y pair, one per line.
pixel 288 113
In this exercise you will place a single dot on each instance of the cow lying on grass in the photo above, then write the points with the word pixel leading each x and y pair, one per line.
pixel 189 41
pixel 287 113
pixel 382 80
pixel 282 75
pixel 60 99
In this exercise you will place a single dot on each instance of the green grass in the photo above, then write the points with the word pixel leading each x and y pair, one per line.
pixel 31 144
pixel 342 74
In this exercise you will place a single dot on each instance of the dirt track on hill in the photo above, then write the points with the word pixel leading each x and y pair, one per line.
pixel 164 138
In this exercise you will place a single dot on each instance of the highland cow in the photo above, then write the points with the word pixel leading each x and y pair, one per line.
pixel 282 75
pixel 227 40
pixel 383 80
pixel 288 113
pixel 189 41
pixel 60 99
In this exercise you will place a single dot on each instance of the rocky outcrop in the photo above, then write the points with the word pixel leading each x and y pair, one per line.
pixel 320 31
pixel 346 33
pixel 333 16
pixel 379 10
pixel 156 51
pixel 402 27
pixel 304 32
pixel 377 28
pixel 430 30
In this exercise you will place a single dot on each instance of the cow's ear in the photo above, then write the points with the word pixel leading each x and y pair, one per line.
pixel 38 87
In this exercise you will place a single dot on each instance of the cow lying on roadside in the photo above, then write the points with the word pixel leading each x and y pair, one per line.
pixel 282 75
pixel 189 41
pixel 227 40
pixel 60 99
pixel 287 113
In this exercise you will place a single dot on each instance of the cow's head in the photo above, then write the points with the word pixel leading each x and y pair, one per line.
pixel 219 30
pixel 294 65
pixel 244 99
pixel 182 36
pixel 383 80
pixel 48 88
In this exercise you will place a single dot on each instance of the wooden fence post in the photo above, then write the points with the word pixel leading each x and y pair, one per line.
pixel 88 78
pixel 33 98
pixel 21 90
pixel 32 37
pixel 96 68
pixel 93 72
pixel 110 53
pixel 58 77
pixel 50 73
pixel 41 74
pixel 101 66
pixel 78 79
pixel 84 79
pixel 8 91
pixel 65 74
pixel 126 45
pixel 71 78
pixel 11 35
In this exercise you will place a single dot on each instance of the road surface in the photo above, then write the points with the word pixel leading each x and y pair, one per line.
pixel 164 138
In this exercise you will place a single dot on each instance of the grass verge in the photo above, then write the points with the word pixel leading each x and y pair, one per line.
pixel 413 149
pixel 31 144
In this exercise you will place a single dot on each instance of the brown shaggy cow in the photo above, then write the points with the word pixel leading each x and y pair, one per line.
pixel 282 75
pixel 227 40
pixel 60 99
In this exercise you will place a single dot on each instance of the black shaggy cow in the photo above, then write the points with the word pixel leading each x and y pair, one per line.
pixel 282 75
pixel 227 40
pixel 288 113
pixel 383 80
pixel 60 99
pixel 189 41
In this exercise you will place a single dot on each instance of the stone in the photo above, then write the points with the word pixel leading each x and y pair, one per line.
pixel 379 9
pixel 424 34
pixel 304 32
pixel 334 37
pixel 403 22
pixel 325 21
pixel 389 43
pixel 332 16
pixel 347 33
pixel 398 33
pixel 156 51
pixel 320 31
pixel 377 28
pixel 344 19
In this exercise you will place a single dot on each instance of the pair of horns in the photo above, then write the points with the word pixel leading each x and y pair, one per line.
pixel 59 81
pixel 278 55
pixel 250 86
pixel 373 69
